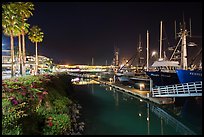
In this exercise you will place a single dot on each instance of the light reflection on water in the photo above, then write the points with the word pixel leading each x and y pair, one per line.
pixel 110 111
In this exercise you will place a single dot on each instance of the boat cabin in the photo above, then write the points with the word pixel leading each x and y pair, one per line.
pixel 166 65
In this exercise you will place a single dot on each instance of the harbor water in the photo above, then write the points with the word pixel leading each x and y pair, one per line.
pixel 107 111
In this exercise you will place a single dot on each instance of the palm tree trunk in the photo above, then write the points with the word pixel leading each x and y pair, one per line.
pixel 12 54
pixel 24 53
pixel 36 58
pixel 20 54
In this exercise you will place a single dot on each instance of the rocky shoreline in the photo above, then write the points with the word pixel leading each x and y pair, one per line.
pixel 77 125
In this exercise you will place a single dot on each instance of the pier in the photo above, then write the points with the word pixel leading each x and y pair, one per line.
pixel 143 94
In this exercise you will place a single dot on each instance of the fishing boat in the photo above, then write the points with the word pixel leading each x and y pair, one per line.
pixel 123 79
pixel 164 73
pixel 172 72
pixel 186 76
pixel 107 74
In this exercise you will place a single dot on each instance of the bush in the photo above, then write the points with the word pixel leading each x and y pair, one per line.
pixel 35 97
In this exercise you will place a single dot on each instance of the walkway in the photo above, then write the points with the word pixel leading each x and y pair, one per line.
pixel 140 93
pixel 143 94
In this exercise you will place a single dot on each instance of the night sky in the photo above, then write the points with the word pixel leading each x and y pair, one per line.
pixel 76 32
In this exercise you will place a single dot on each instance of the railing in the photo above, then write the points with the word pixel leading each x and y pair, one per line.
pixel 178 90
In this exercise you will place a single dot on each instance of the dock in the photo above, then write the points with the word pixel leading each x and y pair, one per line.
pixel 143 94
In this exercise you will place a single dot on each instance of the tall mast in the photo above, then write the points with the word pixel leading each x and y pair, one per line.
pixel 183 35
pixel 160 51
pixel 184 50
pixel 139 49
pixel 92 61
pixel 147 50
pixel 116 57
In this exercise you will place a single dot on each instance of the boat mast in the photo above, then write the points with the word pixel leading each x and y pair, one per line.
pixel 139 50
pixel 183 35
pixel 160 51
pixel 92 61
pixel 116 57
pixel 200 65
pixel 147 50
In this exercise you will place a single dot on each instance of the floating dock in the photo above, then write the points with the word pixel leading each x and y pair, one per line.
pixel 144 94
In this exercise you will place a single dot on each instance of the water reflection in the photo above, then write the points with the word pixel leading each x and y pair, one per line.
pixel 160 113
pixel 83 81
pixel 161 120
pixel 148 119
pixel 171 121
pixel 115 96
pixel 92 88
pixel 110 111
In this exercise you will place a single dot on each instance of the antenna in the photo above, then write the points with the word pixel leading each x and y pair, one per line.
pixel 140 42
pixel 190 27
pixel 92 61
pixel 184 23
pixel 160 52
pixel 139 49
pixel 175 28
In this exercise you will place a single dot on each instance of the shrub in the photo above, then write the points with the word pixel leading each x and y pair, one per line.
pixel 35 97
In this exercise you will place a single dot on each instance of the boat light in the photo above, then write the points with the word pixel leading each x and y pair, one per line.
pixel 142 86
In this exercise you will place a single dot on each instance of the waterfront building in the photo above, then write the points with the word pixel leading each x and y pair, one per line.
pixel 43 62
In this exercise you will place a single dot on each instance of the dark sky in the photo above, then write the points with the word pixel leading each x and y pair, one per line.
pixel 76 32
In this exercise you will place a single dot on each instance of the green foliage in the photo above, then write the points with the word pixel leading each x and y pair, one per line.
pixel 35 34
pixel 57 125
pixel 31 96
pixel 10 117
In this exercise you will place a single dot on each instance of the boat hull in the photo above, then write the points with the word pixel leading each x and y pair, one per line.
pixel 186 76
pixel 163 78
pixel 123 79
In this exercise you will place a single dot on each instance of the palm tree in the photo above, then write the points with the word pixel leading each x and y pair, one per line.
pixel 18 33
pixel 10 23
pixel 24 9
pixel 35 35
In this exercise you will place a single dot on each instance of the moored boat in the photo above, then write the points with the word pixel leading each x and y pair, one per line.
pixel 186 76
pixel 164 73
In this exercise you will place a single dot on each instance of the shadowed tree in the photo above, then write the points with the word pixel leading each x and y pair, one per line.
pixel 36 35
pixel 17 32
pixel 24 10
pixel 10 24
